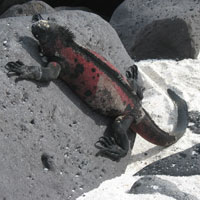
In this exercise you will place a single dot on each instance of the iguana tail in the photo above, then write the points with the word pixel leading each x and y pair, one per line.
pixel 151 132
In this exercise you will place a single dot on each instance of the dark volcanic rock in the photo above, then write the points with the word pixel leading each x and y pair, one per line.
pixel 159 29
pixel 103 8
pixel 47 133
pixel 153 184
pixel 72 8
pixel 5 4
pixel 164 39
pixel 185 163
pixel 26 9
pixel 194 119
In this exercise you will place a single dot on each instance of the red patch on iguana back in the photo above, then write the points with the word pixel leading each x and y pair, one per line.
pixel 84 77
pixel 108 64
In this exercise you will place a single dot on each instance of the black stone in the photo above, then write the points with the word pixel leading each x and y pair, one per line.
pixel 185 163
pixel 164 39
pixel 144 186
pixel 47 161
pixel 194 121
pixel 102 7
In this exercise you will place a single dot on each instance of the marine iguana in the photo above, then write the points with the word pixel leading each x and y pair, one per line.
pixel 100 85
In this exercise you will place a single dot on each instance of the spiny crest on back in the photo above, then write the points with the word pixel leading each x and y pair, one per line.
pixel 66 34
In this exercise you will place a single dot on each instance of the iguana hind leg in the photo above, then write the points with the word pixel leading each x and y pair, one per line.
pixel 51 72
pixel 117 145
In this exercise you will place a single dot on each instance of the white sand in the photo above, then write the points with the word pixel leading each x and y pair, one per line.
pixel 184 78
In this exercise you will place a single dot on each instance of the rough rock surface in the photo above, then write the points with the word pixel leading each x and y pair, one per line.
pixel 47 134
pixel 164 39
pixel 194 119
pixel 102 7
pixel 159 29
pixel 146 188
pixel 72 8
pixel 27 9
pixel 5 4
pixel 153 184
pixel 185 163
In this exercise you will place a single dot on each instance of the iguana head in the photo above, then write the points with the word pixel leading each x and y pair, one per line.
pixel 49 33
pixel 46 31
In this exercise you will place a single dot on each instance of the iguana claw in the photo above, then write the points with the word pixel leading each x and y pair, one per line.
pixel 132 72
pixel 23 71
pixel 16 67
pixel 105 142
pixel 108 147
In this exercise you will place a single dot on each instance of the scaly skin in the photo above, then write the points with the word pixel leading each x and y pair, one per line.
pixel 99 84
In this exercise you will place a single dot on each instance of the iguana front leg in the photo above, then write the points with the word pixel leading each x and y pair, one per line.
pixel 51 72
